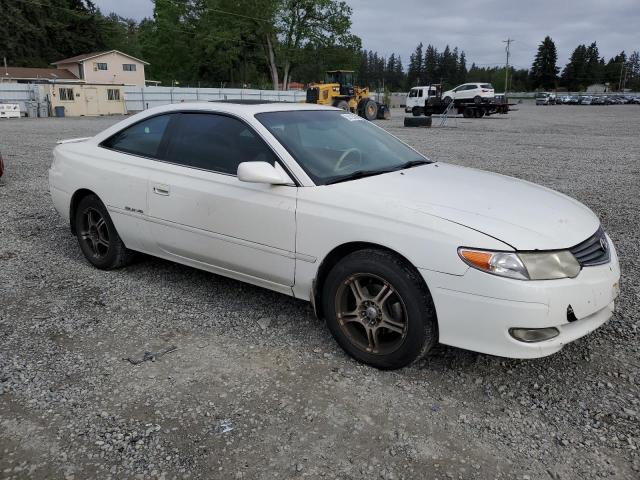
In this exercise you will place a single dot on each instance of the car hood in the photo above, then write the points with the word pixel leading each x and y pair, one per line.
pixel 519 213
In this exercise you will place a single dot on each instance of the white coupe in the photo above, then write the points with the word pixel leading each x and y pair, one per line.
pixel 395 251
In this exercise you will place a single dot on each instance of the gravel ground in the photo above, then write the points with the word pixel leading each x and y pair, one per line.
pixel 258 389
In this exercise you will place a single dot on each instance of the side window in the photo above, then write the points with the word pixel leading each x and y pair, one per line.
pixel 215 142
pixel 413 93
pixel 143 138
pixel 66 94
pixel 420 92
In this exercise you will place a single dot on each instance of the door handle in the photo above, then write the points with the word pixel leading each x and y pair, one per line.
pixel 161 190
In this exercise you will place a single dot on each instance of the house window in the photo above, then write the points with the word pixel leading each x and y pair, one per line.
pixel 66 94
pixel 129 67
pixel 101 66
pixel 113 94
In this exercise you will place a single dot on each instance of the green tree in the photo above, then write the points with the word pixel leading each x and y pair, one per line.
pixel 34 34
pixel 415 71
pixel 167 41
pixel 544 72
pixel 574 75
pixel 430 65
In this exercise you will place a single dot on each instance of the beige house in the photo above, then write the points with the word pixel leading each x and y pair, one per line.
pixel 112 67
pixel 79 100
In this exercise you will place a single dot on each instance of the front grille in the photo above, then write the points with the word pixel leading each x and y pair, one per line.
pixel 593 251
pixel 313 94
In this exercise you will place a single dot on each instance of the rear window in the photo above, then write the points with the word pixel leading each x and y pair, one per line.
pixel 487 85
pixel 142 138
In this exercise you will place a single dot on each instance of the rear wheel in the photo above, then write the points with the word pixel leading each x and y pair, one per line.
pixel 97 236
pixel 477 100
pixel 467 113
pixel 379 310
pixel 342 104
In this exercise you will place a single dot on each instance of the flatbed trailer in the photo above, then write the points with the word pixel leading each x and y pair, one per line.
pixel 466 108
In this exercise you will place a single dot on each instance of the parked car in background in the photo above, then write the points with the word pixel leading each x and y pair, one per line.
pixel 417 97
pixel 585 100
pixel 545 98
pixel 476 92
pixel 396 252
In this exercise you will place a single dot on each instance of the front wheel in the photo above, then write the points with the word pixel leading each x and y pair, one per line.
pixel 379 310
pixel 97 236
pixel 370 110
pixel 446 100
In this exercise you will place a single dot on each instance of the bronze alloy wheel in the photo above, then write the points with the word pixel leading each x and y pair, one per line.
pixel 371 313
pixel 94 232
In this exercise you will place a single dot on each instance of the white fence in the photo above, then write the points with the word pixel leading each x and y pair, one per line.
pixel 30 98
pixel 141 98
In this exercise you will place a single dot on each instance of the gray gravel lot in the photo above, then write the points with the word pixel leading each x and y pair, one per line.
pixel 257 387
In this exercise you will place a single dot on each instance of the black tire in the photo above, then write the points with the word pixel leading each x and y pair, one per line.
pixel 477 100
pixel 467 112
pixel 478 113
pixel 342 105
pixel 416 111
pixel 370 110
pixel 418 121
pixel 446 100
pixel 97 236
pixel 420 331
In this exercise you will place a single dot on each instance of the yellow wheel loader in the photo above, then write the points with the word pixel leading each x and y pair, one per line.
pixel 339 91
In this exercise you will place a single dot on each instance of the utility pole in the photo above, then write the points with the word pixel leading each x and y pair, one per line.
pixel 506 67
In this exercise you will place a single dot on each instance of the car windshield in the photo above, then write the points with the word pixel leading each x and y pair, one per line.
pixel 333 146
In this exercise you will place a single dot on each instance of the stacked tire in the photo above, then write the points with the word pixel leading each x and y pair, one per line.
pixel 424 122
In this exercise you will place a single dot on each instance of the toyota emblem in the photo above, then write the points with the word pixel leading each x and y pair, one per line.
pixel 603 244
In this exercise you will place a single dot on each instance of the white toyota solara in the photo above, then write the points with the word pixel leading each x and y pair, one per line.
pixel 396 252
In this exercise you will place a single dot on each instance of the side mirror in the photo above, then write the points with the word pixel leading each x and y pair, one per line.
pixel 261 172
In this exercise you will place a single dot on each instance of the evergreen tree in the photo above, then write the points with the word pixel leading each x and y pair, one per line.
pixel 574 75
pixel 415 70
pixel 593 68
pixel 544 72
pixel 614 71
pixel 431 65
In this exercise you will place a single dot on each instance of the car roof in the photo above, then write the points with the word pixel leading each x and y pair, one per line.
pixel 240 107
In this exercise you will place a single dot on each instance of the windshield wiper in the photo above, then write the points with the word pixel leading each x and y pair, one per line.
pixel 413 163
pixel 358 174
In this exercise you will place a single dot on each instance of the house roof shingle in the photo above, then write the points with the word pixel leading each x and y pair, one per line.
pixel 86 56
pixel 27 73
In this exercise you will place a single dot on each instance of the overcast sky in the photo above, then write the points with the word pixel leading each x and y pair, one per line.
pixel 477 26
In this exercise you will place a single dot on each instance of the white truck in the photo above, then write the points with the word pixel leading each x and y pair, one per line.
pixel 417 97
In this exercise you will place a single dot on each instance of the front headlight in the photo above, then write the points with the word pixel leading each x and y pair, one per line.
pixel 523 266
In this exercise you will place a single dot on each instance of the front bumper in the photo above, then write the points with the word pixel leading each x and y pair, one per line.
pixel 476 310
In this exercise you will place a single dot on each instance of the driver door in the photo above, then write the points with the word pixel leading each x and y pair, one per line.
pixel 202 214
